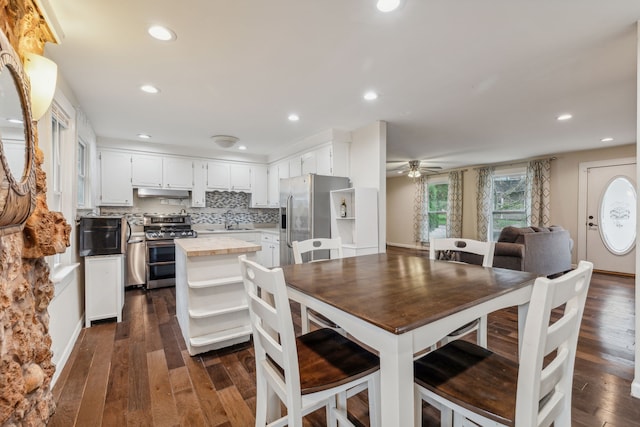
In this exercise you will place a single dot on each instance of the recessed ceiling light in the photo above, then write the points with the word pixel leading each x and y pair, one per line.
pixel 387 5
pixel 294 117
pixel 400 172
pixel 144 136
pixel 242 147
pixel 370 96
pixel 607 139
pixel 149 89
pixel 15 121
pixel 161 33
pixel 563 117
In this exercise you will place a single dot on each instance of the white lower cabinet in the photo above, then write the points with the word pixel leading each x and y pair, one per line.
pixel 269 256
pixel 104 287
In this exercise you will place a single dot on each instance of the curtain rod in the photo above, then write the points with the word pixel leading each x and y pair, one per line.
pixel 520 162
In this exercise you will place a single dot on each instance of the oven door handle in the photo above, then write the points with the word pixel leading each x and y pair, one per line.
pixel 159 243
pixel 160 263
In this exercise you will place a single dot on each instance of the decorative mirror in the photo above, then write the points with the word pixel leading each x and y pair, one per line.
pixel 17 179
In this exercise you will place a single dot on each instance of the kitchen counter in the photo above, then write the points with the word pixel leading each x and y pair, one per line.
pixel 209 231
pixel 211 304
pixel 209 245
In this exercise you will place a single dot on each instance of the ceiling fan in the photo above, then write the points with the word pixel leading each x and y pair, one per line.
pixel 414 168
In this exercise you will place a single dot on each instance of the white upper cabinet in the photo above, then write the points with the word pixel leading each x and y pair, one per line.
pixel 295 166
pixel 273 188
pixel 198 195
pixel 177 173
pixel 324 161
pixel 218 176
pixel 146 170
pixel 332 159
pixel 259 186
pixel 240 177
pixel 308 161
pixel 115 179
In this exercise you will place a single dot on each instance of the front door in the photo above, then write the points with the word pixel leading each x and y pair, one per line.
pixel 611 217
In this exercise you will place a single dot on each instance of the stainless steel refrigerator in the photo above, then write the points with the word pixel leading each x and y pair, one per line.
pixel 305 211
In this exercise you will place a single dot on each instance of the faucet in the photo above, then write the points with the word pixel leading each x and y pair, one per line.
pixel 227 222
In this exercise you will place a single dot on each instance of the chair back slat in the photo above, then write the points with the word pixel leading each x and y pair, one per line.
pixel 484 249
pixel 308 250
pixel 544 395
pixel 274 338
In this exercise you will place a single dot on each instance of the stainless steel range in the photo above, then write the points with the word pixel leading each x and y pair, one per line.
pixel 160 232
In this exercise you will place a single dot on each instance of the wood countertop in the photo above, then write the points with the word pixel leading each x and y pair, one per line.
pixel 215 246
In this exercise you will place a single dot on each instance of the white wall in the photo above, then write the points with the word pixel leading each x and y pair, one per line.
pixel 368 158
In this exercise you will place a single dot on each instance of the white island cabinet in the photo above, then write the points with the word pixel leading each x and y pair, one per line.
pixel 211 305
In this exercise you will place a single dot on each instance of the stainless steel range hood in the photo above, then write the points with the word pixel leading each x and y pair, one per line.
pixel 163 193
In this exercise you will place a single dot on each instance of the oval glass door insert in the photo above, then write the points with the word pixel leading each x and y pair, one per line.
pixel 618 216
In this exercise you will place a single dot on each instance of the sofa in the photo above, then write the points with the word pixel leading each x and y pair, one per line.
pixel 545 251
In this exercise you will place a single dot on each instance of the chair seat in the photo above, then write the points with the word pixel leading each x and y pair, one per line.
pixel 327 359
pixel 471 377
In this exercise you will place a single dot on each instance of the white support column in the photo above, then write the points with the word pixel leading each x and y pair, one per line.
pixel 635 386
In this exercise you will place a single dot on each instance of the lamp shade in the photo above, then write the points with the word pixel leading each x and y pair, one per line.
pixel 43 74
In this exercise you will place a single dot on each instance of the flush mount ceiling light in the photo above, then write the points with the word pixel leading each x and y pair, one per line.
pixel 149 89
pixel 414 169
pixel 564 117
pixel 224 141
pixel 161 33
pixel 293 117
pixel 387 5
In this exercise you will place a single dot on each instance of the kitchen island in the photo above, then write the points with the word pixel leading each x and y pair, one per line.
pixel 211 305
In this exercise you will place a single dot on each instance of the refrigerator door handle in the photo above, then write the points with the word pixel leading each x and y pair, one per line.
pixel 288 224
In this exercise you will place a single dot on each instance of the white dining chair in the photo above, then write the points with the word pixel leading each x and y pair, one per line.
pixel 469 382
pixel 305 373
pixel 484 249
pixel 303 251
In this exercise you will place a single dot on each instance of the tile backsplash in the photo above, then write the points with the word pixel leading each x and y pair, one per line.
pixel 220 205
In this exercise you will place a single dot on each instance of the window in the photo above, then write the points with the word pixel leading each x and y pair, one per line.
pixel 59 194
pixel 82 171
pixel 509 200
pixel 437 207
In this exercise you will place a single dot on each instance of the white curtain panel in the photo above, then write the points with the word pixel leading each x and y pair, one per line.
pixel 485 190
pixel 454 211
pixel 539 189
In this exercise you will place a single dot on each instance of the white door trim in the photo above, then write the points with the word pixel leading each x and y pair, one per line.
pixel 582 198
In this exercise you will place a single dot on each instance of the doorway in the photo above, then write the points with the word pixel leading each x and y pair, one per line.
pixel 607 215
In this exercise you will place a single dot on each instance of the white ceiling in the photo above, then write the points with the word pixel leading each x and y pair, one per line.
pixel 460 81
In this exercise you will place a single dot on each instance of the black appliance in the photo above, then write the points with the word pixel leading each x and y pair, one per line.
pixel 102 235
pixel 159 232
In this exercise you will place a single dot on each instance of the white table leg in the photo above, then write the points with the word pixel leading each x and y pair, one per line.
pixel 396 382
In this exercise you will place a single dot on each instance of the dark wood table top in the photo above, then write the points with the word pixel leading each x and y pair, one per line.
pixel 398 292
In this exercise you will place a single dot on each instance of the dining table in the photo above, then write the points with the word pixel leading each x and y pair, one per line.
pixel 399 305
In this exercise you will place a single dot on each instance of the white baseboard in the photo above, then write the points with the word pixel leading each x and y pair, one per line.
pixel 64 357
pixel 404 245
pixel 635 388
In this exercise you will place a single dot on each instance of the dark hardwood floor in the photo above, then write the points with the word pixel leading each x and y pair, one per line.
pixel 138 372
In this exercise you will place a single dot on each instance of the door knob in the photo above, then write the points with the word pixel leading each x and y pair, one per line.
pixel 592 224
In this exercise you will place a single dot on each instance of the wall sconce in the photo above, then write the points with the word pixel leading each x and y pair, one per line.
pixel 43 74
